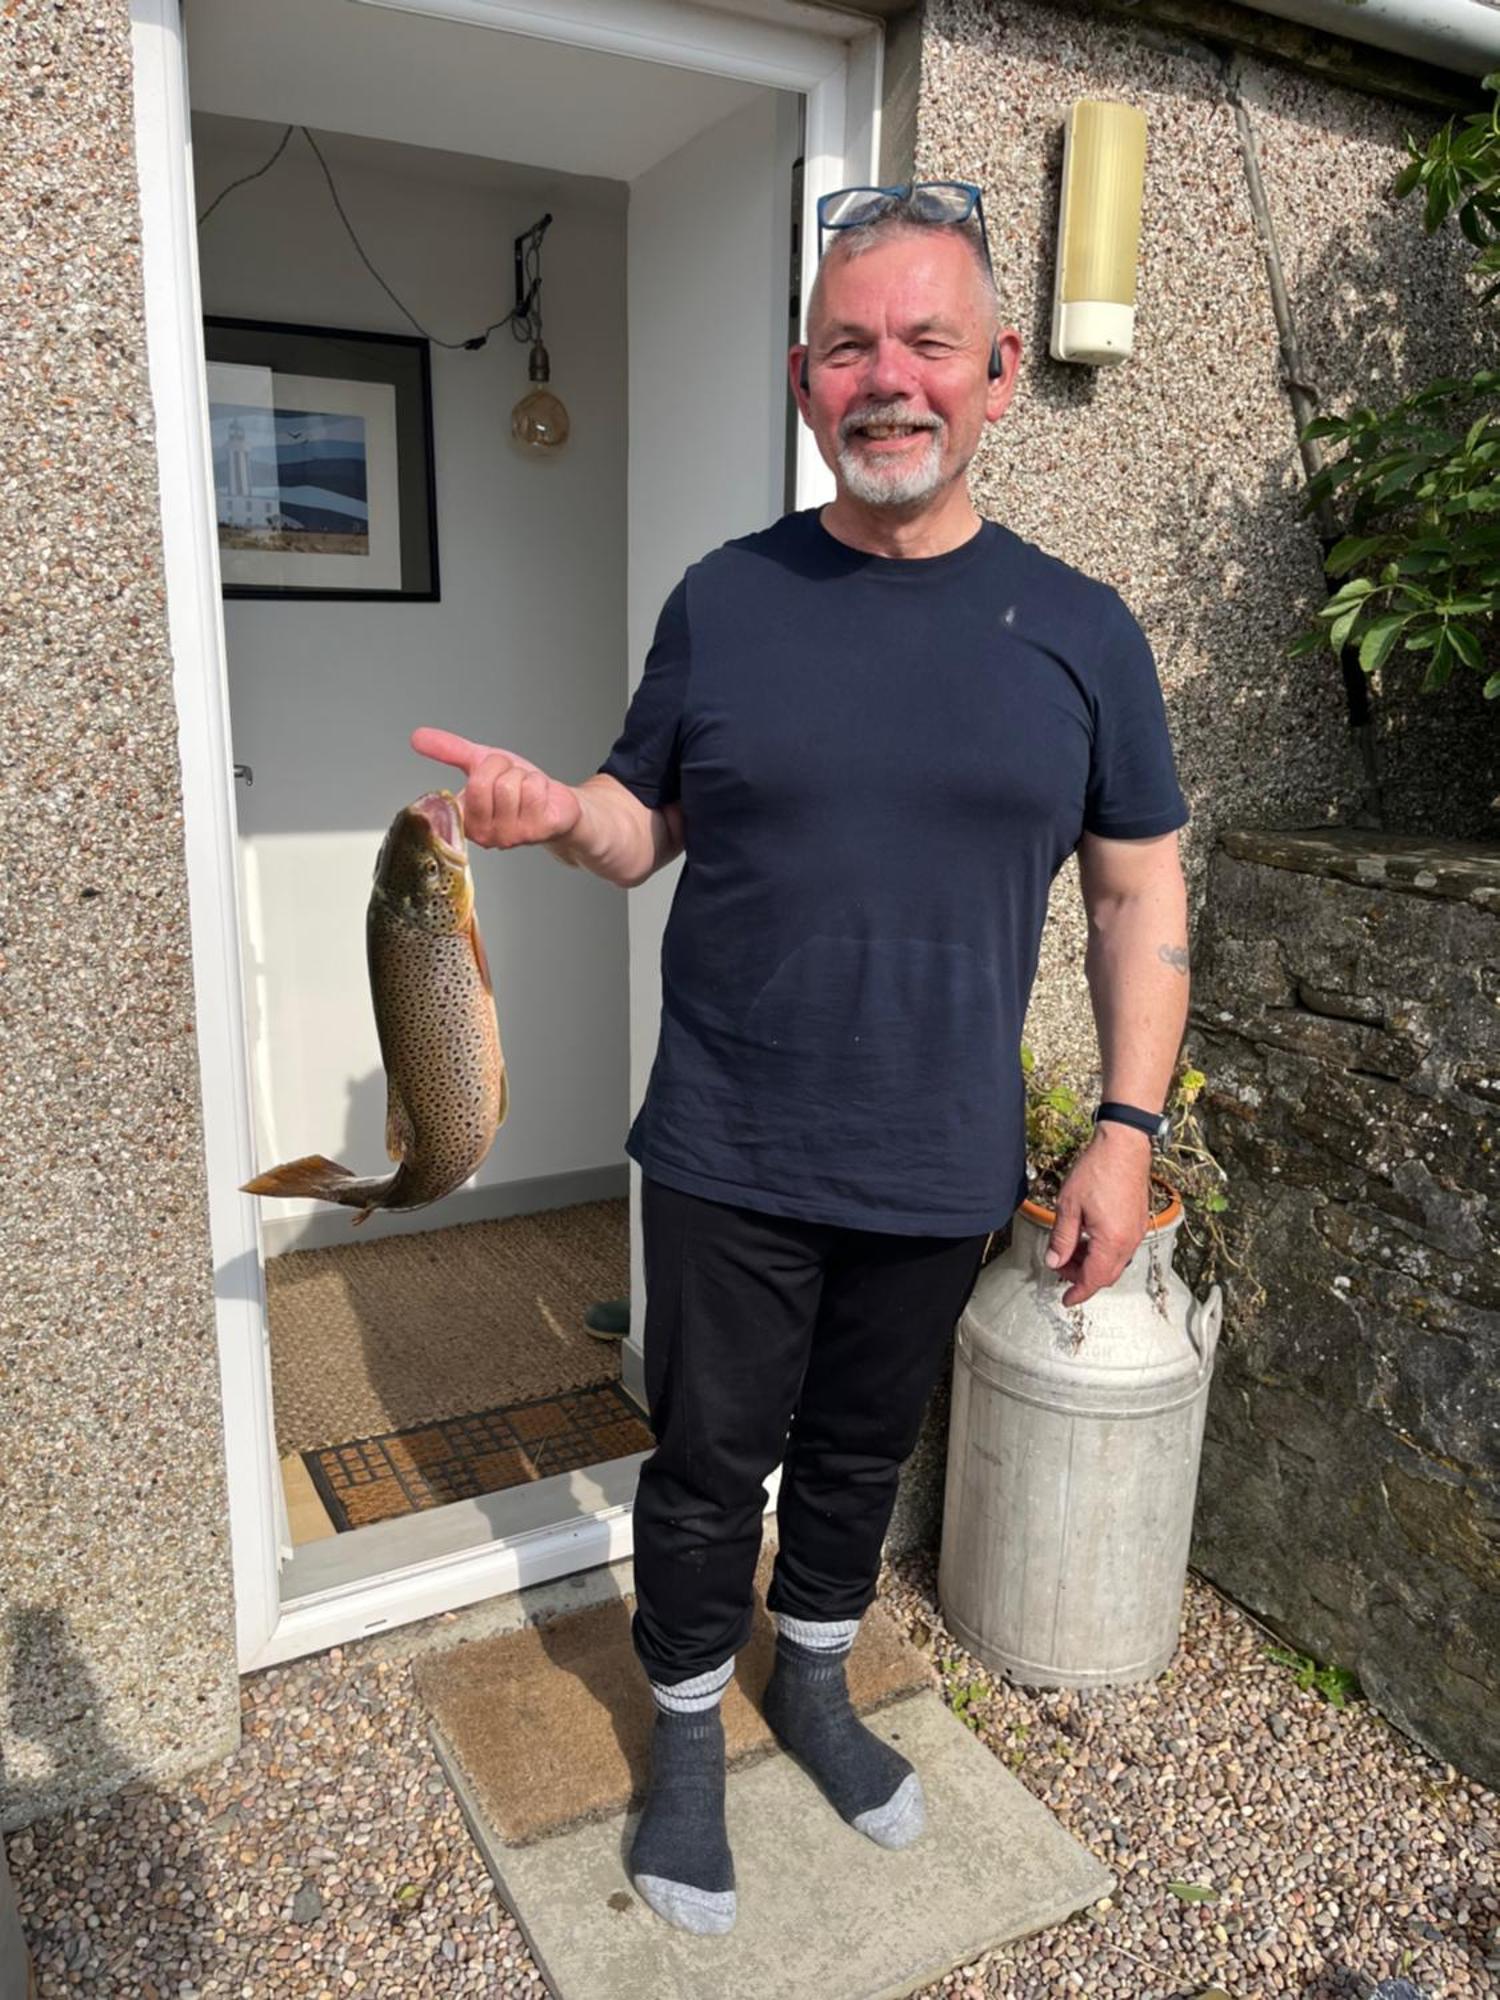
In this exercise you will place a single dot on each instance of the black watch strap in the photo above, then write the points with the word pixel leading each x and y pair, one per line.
pixel 1155 1124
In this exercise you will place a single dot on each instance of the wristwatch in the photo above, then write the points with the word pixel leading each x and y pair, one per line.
pixel 1155 1124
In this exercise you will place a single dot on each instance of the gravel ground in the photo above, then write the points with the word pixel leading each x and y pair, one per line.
pixel 327 1856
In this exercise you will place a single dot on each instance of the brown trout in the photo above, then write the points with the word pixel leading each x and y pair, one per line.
pixel 446 1090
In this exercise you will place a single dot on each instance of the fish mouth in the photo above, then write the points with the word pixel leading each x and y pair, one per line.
pixel 445 822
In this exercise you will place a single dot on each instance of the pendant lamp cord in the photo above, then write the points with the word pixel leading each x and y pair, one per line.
pixel 525 314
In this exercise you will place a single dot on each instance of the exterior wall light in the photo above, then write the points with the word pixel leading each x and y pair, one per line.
pixel 1099 235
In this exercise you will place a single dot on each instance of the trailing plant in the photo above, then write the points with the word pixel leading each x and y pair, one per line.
pixel 1421 480
pixel 1059 1126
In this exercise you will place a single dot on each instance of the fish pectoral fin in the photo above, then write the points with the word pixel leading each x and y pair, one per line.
pixel 504 1095
pixel 480 959
pixel 400 1133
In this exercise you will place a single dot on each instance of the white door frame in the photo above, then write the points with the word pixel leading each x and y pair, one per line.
pixel 838 71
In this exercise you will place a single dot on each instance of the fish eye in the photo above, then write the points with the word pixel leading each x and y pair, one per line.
pixel 429 866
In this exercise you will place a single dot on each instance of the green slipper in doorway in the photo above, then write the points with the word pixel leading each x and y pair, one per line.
pixel 608 1319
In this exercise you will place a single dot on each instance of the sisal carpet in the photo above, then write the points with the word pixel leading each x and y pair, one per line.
pixel 371 1338
pixel 551 1725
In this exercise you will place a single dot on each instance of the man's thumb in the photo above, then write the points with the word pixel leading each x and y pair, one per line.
pixel 1061 1243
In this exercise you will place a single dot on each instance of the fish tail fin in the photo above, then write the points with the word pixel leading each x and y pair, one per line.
pixel 317 1179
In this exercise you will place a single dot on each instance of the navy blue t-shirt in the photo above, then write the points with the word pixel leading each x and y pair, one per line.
pixel 881 766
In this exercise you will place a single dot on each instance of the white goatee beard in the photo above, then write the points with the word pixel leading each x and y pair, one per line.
pixel 865 482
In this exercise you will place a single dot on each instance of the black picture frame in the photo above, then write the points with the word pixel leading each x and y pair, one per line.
pixel 368 436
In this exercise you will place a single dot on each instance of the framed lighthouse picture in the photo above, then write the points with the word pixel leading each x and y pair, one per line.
pixel 322 461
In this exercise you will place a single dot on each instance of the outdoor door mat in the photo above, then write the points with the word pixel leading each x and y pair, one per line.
pixel 552 1724
pixel 406 1472
pixel 824 1914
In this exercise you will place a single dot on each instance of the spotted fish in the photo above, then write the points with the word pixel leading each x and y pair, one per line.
pixel 446 1089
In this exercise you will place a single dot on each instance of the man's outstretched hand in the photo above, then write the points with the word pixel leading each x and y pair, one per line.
pixel 506 801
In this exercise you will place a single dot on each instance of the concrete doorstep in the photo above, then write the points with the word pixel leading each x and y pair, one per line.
pixel 824 1913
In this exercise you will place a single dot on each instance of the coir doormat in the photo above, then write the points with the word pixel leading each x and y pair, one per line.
pixel 551 1725
pixel 427 1465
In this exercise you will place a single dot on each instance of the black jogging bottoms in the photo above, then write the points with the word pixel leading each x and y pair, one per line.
pixel 773 1340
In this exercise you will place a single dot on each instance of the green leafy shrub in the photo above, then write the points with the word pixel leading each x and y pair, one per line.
pixel 1421 480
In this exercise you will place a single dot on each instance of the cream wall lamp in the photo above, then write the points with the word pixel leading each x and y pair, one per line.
pixel 539 422
pixel 1099 233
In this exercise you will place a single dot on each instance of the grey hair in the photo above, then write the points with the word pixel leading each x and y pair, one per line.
pixel 903 218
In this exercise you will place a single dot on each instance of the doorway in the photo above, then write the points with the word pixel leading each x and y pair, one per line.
pixel 667 272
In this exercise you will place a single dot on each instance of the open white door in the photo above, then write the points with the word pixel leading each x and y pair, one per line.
pixel 682 501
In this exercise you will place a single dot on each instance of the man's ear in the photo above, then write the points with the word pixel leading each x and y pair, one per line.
pixel 798 374
pixel 1005 367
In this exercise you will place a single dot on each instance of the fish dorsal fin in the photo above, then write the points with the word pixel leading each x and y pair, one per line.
pixel 477 943
pixel 400 1135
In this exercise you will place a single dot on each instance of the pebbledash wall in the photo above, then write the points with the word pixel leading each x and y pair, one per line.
pixel 1174 477
pixel 117 1651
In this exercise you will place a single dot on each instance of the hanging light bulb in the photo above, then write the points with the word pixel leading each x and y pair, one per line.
pixel 539 421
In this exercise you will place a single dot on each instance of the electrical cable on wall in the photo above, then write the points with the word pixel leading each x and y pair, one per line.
pixel 524 319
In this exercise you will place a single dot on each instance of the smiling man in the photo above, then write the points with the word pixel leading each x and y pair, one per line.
pixel 877 730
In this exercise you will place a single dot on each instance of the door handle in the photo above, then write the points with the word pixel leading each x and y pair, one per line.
pixel 244 771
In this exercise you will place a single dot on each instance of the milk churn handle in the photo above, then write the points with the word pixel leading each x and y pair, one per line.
pixel 1203 1322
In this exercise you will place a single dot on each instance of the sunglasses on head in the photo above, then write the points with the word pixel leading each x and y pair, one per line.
pixel 952 202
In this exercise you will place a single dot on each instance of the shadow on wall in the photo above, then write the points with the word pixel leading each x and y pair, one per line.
pixel 55 1709
pixel 362 1148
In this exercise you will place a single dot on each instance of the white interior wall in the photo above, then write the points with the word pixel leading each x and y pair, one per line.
pixel 526 648
pixel 708 400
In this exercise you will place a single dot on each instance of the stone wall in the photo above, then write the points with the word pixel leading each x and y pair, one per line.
pixel 1347 1014
pixel 117 1652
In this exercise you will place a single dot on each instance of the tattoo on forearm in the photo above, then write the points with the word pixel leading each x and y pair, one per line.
pixel 1174 955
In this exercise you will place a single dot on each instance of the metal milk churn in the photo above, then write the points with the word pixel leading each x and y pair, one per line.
pixel 1073 1463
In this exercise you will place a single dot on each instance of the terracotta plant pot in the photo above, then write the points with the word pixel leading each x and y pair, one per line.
pixel 1162 1217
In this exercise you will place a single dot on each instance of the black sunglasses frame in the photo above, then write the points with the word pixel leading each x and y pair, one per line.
pixel 900 192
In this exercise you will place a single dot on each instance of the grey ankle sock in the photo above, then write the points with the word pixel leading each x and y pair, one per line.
pixel 679 1858
pixel 808 1709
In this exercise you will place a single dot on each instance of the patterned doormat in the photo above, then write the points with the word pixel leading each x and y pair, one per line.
pixel 408 1471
